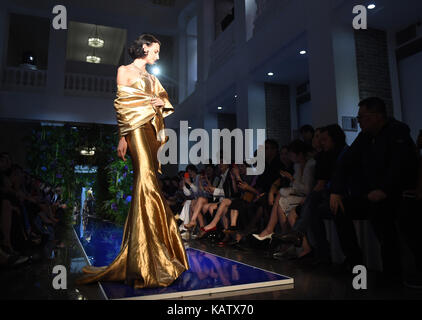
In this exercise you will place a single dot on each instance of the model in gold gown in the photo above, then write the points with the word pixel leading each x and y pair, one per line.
pixel 152 252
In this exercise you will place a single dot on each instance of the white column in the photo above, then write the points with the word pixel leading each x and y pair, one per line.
pixel 332 67
pixel 346 74
pixel 56 61
pixel 240 24
pixel 293 111
pixel 182 46
pixel 321 62
pixel 206 31
pixel 394 75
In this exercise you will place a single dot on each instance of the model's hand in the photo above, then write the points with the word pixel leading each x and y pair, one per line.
pixel 157 102
pixel 122 148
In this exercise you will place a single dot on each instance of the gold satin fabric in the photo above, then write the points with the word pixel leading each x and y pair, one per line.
pixel 152 252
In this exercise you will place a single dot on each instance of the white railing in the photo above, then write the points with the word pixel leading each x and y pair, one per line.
pixel 89 85
pixel 23 78
pixel 76 84
pixel 92 85
pixel 222 48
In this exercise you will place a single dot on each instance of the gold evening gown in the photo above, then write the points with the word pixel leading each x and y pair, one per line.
pixel 152 252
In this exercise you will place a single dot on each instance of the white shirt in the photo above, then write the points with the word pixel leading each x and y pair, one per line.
pixel 219 191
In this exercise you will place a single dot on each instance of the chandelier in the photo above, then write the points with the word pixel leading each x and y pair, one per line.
pixel 93 58
pixel 96 41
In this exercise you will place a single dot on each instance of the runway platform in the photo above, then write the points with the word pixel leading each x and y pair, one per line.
pixel 209 277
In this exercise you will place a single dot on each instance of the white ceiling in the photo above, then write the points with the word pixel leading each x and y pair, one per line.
pixel 77 42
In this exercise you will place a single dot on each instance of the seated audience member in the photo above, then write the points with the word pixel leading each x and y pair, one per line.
pixel 302 183
pixel 223 189
pixel 260 209
pixel 240 207
pixel 225 204
pixel 333 142
pixel 307 133
pixel 192 191
pixel 370 179
pixel 321 173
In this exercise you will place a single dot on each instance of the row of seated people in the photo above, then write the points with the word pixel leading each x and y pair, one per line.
pixel 314 179
pixel 31 211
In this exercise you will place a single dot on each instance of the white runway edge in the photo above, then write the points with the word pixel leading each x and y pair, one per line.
pixel 213 293
pixel 87 259
pixel 226 291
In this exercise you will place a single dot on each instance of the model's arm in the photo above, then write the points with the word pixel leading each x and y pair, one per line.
pixel 122 147
pixel 161 93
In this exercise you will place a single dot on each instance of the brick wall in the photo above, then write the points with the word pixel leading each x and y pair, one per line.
pixel 277 102
pixel 372 66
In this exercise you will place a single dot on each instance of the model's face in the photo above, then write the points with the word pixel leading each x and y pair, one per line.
pixel 153 53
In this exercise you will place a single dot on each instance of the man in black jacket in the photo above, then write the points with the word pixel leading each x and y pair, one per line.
pixel 370 179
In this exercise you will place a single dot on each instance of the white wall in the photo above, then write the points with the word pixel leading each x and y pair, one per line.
pixel 410 73
pixel 304 114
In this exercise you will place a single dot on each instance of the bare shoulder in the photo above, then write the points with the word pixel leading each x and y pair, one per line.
pixel 122 75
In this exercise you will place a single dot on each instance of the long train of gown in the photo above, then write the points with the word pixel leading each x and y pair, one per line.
pixel 152 252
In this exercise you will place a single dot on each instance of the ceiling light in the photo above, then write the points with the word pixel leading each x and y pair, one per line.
pixel 220 108
pixel 371 6
pixel 270 74
pixel 93 59
pixel 95 41
pixel 302 52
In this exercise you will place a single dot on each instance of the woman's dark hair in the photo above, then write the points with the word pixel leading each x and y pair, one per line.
pixel 136 50
pixel 298 146
pixel 337 134
pixel 307 128
pixel 192 167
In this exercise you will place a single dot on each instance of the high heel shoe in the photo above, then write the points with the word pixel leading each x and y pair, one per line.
pixel 209 230
pixel 269 236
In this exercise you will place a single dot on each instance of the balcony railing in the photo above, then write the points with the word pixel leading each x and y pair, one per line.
pixel 89 85
pixel 21 78
pixel 75 84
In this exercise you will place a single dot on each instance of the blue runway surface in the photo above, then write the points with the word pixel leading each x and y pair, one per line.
pixel 208 274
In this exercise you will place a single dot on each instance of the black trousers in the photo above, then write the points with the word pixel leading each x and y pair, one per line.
pixel 382 216
pixel 410 222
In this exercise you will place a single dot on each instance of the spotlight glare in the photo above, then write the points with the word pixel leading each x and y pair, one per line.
pixel 156 71
pixel 270 74
pixel 302 52
pixel 220 108
pixel 371 6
